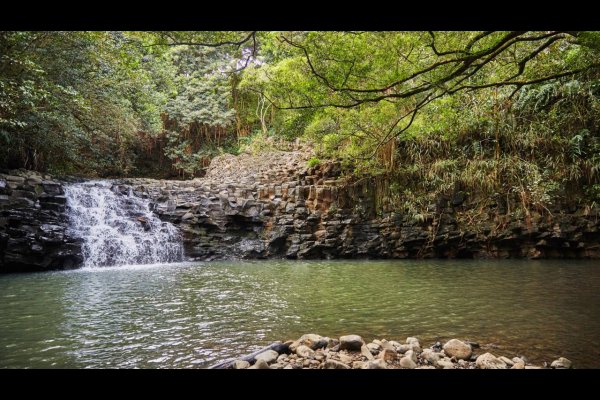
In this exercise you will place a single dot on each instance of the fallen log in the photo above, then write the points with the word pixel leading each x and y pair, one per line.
pixel 277 346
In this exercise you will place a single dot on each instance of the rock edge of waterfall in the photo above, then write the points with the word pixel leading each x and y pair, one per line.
pixel 34 234
pixel 312 351
pixel 274 205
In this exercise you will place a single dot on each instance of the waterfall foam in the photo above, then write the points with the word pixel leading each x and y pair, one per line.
pixel 119 229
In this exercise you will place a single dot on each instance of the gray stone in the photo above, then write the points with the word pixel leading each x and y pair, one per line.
pixel 345 358
pixel 241 364
pixel 407 362
pixel 403 348
pixel 430 356
pixel 311 340
pixel 445 364
pixel 376 364
pixel 458 349
pixel 333 364
pixel 373 348
pixel 411 354
pixel 351 342
pixel 268 356
pixel 411 339
pixel 562 363
pixel 260 364
pixel 304 351
pixel 188 215
pixel 506 360
pixel 388 355
pixel 364 350
pixel 489 361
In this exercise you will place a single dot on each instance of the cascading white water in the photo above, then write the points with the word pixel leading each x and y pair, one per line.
pixel 119 229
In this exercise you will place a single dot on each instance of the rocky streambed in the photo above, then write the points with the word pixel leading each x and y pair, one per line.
pixel 312 351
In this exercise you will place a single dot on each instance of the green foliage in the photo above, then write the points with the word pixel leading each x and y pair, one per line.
pixel 313 162
pixel 428 114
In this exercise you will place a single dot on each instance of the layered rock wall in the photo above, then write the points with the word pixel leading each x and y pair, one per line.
pixel 274 205
pixel 33 224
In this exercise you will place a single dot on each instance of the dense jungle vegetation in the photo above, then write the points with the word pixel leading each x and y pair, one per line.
pixel 497 114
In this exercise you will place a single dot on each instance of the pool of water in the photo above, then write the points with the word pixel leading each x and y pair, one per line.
pixel 191 315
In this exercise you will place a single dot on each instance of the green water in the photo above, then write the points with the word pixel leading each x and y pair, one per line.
pixel 192 315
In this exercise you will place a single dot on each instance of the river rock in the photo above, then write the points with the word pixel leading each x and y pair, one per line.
pixel 458 349
pixel 376 364
pixel 445 364
pixel 388 355
pixel 260 364
pixel 413 340
pixel 241 364
pixel 333 364
pixel 489 361
pixel 373 348
pixel 411 354
pixel 430 356
pixel 304 351
pixel 311 340
pixel 562 363
pixel 518 365
pixel 506 360
pixel 407 362
pixel 364 350
pixel 351 342
pixel 267 356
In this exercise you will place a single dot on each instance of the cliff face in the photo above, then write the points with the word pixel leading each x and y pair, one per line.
pixel 273 205
pixel 33 224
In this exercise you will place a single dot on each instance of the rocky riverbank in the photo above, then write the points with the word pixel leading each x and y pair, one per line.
pixel 312 351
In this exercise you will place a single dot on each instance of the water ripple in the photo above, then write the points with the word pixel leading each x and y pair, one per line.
pixel 190 315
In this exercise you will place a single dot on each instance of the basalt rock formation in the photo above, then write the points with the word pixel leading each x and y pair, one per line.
pixel 275 205
pixel 34 225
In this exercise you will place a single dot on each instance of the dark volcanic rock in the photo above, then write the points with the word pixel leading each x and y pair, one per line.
pixel 33 224
pixel 274 206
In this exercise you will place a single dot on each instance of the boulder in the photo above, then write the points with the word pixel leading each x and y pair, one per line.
pixel 268 356
pixel 458 349
pixel 351 342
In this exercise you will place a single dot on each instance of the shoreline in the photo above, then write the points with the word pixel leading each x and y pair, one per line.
pixel 312 351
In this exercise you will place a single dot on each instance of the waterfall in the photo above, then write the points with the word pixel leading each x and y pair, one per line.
pixel 119 229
